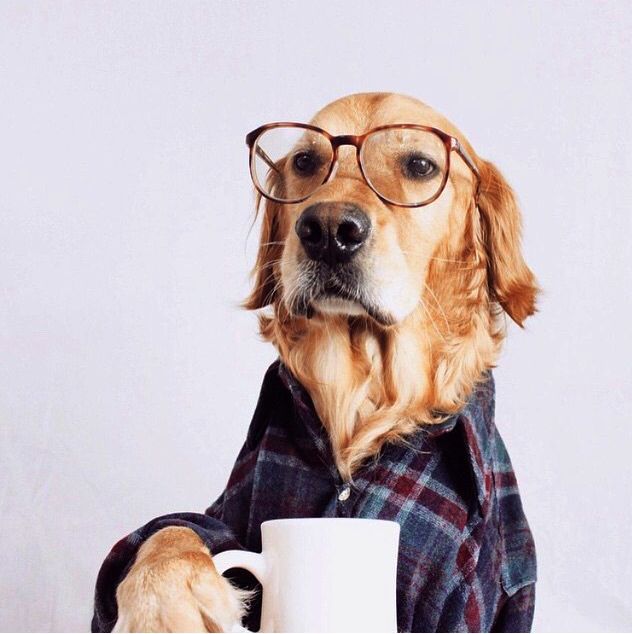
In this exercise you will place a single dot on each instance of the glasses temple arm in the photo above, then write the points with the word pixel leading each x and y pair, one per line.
pixel 270 163
pixel 465 155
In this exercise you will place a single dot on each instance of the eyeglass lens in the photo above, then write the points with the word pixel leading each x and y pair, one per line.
pixel 403 165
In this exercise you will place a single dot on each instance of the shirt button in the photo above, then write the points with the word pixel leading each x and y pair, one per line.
pixel 345 493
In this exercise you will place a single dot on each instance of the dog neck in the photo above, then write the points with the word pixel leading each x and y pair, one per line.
pixel 371 385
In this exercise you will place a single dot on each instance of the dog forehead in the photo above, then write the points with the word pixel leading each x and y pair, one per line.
pixel 359 113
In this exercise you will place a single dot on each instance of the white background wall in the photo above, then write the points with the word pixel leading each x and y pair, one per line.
pixel 128 374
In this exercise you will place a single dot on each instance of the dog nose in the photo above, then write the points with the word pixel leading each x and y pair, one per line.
pixel 333 232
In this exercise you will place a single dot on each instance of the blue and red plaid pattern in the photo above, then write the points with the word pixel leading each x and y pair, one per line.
pixel 466 556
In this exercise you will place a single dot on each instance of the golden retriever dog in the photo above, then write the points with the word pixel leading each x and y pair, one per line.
pixel 385 297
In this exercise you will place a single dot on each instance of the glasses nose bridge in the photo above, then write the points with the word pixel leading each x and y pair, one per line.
pixel 341 140
pixel 345 139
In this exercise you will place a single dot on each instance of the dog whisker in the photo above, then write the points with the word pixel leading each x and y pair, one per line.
pixel 445 318
pixel 432 321
pixel 471 264
pixel 274 243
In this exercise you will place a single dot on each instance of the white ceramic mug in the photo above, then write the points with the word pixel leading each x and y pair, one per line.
pixel 324 574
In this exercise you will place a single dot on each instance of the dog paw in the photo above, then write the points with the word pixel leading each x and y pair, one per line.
pixel 174 586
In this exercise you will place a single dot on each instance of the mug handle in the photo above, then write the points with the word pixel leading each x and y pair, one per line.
pixel 252 562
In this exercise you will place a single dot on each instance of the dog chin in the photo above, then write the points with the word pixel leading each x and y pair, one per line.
pixel 332 305
pixel 339 306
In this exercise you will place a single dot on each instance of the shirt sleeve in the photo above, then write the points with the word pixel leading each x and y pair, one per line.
pixel 516 615
pixel 213 532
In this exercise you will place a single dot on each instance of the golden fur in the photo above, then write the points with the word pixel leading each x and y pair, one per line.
pixel 372 384
pixel 455 265
pixel 173 586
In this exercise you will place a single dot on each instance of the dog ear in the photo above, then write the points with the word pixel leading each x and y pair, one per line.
pixel 264 273
pixel 511 282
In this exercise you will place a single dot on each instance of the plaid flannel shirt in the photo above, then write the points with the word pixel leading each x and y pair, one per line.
pixel 466 555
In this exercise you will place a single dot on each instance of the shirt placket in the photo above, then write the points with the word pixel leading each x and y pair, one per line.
pixel 344 494
pixel 344 499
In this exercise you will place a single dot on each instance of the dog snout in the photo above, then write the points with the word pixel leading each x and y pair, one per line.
pixel 333 232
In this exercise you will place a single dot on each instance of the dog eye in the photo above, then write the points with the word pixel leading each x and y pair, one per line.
pixel 305 163
pixel 417 166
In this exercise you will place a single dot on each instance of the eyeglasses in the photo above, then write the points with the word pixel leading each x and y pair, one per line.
pixel 404 164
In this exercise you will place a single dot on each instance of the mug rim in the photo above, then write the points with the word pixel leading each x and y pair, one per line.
pixel 327 520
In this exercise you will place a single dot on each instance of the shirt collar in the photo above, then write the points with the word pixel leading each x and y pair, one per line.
pixel 475 424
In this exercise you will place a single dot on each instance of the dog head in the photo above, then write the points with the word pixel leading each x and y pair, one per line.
pixel 348 250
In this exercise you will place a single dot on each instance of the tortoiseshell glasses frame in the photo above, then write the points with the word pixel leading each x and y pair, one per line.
pixel 449 142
